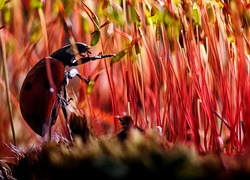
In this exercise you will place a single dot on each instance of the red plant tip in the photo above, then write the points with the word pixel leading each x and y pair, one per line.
pixel 125 120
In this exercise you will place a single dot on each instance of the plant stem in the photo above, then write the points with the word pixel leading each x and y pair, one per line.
pixel 6 79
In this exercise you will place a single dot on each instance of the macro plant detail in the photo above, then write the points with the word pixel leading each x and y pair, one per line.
pixel 167 96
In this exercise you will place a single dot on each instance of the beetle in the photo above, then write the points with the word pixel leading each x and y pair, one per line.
pixel 40 100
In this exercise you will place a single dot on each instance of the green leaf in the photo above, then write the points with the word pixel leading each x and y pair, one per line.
pixel 134 15
pixel 119 55
pixel 196 14
pixel 36 4
pixel 2 2
pixel 210 13
pixel 7 15
pixel 168 18
pixel 90 87
pixel 115 14
pixel 96 37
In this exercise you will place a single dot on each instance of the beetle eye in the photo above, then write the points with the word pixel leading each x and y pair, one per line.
pixel 28 86
pixel 86 53
pixel 83 54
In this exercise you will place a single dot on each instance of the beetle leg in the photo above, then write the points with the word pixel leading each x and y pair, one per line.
pixel 66 119
pixel 53 117
pixel 90 58
pixel 73 72
pixel 63 100
pixel 64 103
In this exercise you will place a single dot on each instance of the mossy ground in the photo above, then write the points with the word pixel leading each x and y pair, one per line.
pixel 139 156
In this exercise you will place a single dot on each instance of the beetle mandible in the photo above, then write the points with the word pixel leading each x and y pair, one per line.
pixel 38 105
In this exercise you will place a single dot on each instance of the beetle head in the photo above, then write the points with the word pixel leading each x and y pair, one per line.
pixel 67 54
